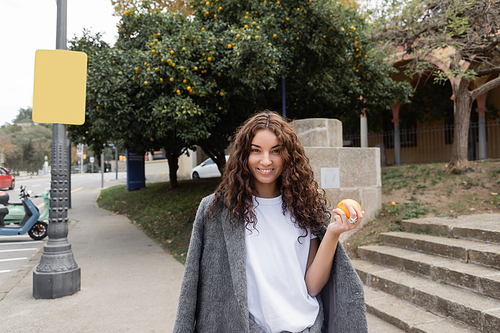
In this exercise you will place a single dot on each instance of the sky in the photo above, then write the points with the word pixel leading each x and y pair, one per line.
pixel 30 25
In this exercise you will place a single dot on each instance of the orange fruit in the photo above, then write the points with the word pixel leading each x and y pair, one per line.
pixel 353 203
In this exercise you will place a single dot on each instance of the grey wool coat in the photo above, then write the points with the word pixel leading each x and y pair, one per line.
pixel 213 296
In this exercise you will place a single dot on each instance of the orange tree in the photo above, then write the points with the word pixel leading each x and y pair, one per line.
pixel 322 50
pixel 128 105
pixel 320 47
pixel 121 6
pixel 166 84
pixel 173 81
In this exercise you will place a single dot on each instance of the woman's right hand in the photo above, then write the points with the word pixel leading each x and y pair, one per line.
pixel 340 223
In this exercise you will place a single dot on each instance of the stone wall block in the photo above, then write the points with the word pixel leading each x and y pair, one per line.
pixel 359 167
pixel 322 158
pixel 359 170
pixel 319 132
pixel 372 202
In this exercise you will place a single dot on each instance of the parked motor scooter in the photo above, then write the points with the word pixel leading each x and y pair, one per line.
pixel 30 222
pixel 16 209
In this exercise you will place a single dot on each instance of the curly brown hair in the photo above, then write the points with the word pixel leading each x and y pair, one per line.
pixel 299 190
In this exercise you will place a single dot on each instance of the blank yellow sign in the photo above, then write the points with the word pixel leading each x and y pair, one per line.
pixel 59 91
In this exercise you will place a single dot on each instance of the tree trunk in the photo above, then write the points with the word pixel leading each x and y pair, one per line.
pixel 219 157
pixel 173 166
pixel 463 104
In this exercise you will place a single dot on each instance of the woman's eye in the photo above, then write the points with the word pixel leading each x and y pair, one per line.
pixel 276 151
pixel 255 151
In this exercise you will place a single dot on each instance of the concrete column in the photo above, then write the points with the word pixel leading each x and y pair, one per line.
pixel 364 129
pixel 481 110
pixel 342 172
pixel 397 138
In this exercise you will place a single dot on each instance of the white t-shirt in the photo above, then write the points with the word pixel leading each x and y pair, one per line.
pixel 275 267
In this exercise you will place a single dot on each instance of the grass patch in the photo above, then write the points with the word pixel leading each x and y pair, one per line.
pixel 165 215
pixel 405 211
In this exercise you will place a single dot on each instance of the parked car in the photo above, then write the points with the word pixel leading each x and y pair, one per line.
pixel 207 169
pixel 7 179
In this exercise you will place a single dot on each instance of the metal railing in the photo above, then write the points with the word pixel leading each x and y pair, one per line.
pixel 429 144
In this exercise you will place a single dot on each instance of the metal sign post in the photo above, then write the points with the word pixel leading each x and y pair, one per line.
pixel 116 161
pixel 102 169
pixel 79 153
pixel 57 274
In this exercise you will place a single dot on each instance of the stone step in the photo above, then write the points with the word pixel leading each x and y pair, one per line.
pixel 409 317
pixel 482 227
pixel 477 311
pixel 466 250
pixel 480 279
pixel 377 325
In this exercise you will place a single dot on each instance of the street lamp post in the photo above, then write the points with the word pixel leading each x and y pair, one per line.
pixel 57 274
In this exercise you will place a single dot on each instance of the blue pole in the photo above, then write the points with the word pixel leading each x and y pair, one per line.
pixel 283 99
pixel 283 88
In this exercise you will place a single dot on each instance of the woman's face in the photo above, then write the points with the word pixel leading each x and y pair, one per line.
pixel 265 163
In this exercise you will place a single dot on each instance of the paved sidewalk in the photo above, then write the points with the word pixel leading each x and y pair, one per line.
pixel 128 282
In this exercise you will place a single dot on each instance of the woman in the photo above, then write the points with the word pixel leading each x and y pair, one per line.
pixel 255 261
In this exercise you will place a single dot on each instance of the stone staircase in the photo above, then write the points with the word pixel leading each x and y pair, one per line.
pixel 439 275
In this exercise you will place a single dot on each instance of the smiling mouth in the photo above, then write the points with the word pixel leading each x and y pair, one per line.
pixel 265 171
